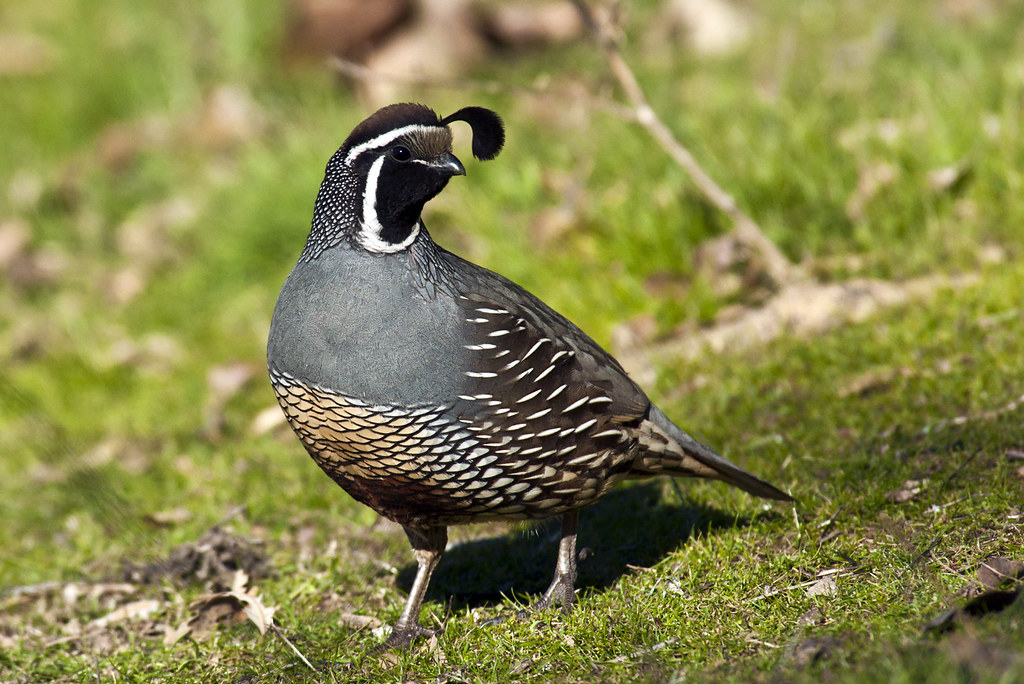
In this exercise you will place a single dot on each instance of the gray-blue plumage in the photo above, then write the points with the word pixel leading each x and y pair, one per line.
pixel 439 392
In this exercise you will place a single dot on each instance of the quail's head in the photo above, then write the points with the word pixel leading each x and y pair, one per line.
pixel 400 158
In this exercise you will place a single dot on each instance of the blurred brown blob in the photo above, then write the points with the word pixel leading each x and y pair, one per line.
pixel 709 27
pixel 520 25
pixel 25 55
pixel 347 28
pixel 408 41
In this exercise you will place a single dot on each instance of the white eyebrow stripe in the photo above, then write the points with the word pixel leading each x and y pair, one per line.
pixel 385 138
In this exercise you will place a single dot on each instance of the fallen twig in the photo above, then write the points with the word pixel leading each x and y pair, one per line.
pixel 777 266
pixel 990 414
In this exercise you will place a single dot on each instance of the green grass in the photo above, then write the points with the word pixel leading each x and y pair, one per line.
pixel 104 403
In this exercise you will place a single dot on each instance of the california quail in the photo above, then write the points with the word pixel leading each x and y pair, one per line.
pixel 438 392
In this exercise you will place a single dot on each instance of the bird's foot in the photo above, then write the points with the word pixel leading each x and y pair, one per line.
pixel 402 637
pixel 562 592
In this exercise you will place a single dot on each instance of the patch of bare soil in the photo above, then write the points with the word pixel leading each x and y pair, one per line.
pixel 213 560
pixel 103 618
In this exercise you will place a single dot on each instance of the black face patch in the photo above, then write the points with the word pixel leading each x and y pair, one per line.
pixel 398 159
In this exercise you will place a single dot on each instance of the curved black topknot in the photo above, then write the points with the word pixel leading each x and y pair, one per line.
pixel 488 130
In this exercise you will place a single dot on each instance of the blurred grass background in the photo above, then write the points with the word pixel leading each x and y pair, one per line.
pixel 158 169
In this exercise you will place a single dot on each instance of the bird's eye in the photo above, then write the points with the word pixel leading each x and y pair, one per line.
pixel 400 153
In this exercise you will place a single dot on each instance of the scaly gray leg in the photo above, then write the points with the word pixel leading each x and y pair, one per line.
pixel 563 586
pixel 427 545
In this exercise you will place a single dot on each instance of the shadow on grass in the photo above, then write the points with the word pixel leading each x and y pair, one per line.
pixel 632 525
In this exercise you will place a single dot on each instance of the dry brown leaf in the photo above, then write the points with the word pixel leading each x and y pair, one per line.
pixel 173 635
pixel 212 610
pixel 996 571
pixel 260 615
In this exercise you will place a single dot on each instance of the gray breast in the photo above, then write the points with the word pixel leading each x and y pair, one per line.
pixel 361 325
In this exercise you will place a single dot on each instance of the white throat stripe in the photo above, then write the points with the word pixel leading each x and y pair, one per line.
pixel 384 139
pixel 370 228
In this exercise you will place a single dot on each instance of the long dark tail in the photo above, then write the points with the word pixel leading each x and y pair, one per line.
pixel 667 450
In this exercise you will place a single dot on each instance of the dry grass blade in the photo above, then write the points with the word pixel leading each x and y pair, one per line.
pixel 278 632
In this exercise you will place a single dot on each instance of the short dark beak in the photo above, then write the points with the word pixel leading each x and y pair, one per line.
pixel 448 164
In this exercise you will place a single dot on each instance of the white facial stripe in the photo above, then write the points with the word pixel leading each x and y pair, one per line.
pixel 384 139
pixel 370 228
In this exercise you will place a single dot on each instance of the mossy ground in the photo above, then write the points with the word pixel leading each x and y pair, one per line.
pixel 150 264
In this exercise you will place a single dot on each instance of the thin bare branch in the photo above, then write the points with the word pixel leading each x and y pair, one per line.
pixel 778 267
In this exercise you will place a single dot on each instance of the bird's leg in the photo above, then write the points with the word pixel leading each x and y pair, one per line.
pixel 563 586
pixel 427 545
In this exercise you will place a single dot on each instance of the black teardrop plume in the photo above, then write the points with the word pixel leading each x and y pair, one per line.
pixel 488 130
